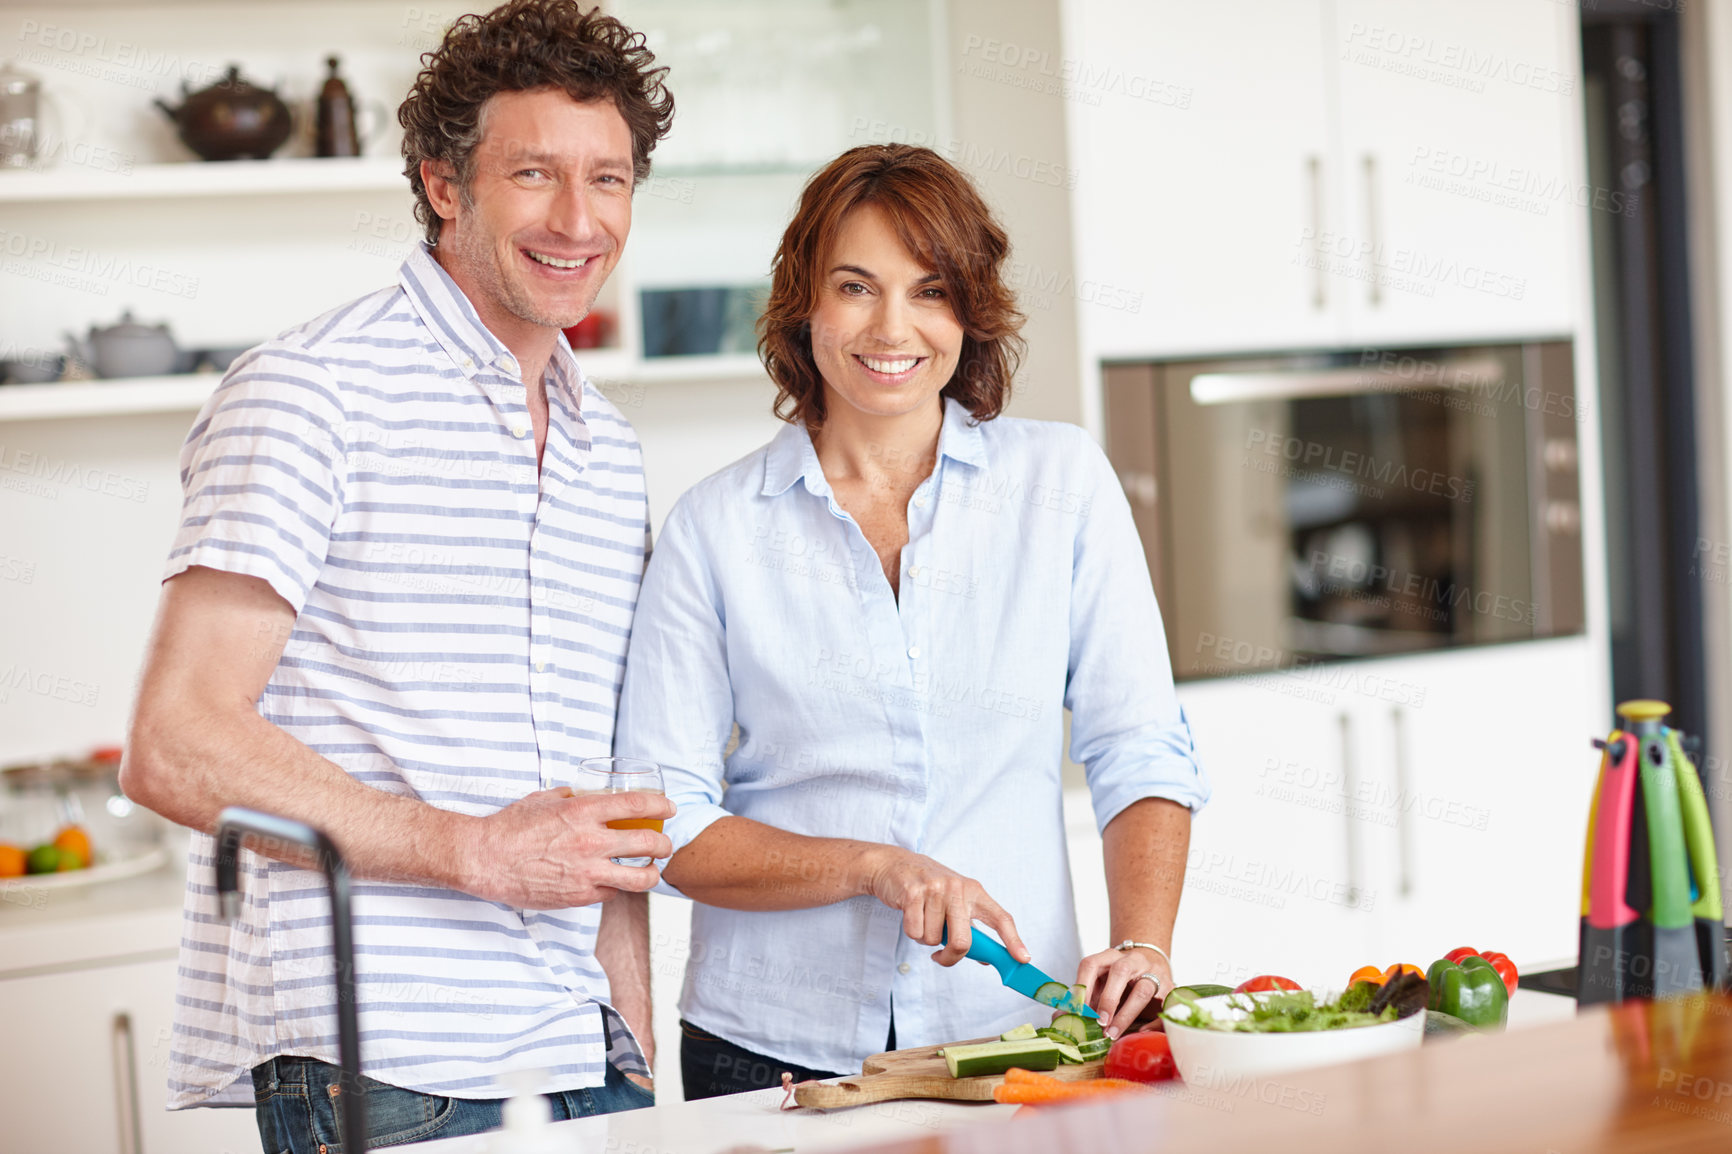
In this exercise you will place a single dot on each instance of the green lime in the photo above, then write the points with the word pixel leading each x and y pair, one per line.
pixel 44 859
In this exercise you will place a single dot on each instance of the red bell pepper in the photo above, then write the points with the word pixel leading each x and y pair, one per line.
pixel 1500 962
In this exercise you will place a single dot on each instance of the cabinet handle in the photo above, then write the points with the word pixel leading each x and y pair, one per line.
pixel 1368 164
pixel 1319 278
pixel 126 1084
pixel 1403 842
pixel 1348 789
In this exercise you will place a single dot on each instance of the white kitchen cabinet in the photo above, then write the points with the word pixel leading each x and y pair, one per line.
pixel 1482 793
pixel 1461 202
pixel 1274 880
pixel 85 1065
pixel 1200 136
pixel 1320 173
pixel 1390 810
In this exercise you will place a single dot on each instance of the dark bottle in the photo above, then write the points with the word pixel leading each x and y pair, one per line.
pixel 336 119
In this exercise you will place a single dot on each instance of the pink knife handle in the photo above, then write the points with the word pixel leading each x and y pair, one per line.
pixel 1607 908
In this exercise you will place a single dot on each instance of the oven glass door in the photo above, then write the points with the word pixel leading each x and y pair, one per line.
pixel 1327 508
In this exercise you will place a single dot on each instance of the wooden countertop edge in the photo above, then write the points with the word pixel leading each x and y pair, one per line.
pixel 1640 1078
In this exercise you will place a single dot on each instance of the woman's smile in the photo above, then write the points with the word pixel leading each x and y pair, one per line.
pixel 891 370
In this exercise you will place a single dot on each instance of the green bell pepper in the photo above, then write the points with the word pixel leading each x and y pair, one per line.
pixel 1472 991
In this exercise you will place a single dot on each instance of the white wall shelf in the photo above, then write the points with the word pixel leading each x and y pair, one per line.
pixel 187 391
pixel 209 178
pixel 181 393
pixel 718 367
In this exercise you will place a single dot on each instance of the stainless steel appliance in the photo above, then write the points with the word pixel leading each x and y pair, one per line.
pixel 1353 504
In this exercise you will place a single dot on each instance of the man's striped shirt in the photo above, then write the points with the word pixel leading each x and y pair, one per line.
pixel 460 636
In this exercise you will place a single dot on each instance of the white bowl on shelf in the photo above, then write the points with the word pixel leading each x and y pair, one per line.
pixel 1207 1057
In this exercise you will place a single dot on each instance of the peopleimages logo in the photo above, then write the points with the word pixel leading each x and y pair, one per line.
pixel 38 468
pixel 1351 575
pixel 1348 462
pixel 88 270
pixel 44 683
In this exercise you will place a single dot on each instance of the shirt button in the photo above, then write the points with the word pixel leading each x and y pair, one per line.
pixel 914 651
pixel 914 571
pixel 508 364
pixel 468 362
pixel 920 501
pixel 541 667
pixel 519 430
pixel 903 968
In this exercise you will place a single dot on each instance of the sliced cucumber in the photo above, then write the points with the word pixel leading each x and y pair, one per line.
pixel 1180 994
pixel 1080 1029
pixel 1051 993
pixel 1069 1054
pixel 1020 1033
pixel 1096 1049
pixel 996 1057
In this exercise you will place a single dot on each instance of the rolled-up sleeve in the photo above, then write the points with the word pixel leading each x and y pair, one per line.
pixel 1127 728
pixel 676 706
pixel 261 474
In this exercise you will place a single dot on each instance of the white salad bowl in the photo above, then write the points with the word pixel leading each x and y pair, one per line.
pixel 1207 1057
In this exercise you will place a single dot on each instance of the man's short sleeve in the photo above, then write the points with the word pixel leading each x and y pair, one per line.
pixel 261 474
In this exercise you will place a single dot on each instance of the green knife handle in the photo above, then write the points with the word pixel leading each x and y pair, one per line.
pixel 1698 833
pixel 1668 864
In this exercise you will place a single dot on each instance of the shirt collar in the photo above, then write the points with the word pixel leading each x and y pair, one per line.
pixel 961 439
pixel 448 314
pixel 455 324
pixel 790 457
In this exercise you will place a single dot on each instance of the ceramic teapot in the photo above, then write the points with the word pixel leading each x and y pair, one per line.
pixel 231 120
pixel 127 349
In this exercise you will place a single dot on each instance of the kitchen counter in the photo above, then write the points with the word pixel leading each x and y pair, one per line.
pixel 133 918
pixel 1640 1078
pixel 756 1120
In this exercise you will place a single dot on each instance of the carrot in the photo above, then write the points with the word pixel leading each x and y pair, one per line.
pixel 1030 1092
pixel 1016 1074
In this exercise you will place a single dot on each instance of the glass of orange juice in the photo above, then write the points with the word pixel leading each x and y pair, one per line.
pixel 621 775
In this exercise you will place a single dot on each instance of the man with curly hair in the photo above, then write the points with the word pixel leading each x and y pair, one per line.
pixel 397 609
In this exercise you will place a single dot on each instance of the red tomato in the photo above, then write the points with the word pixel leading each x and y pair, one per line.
pixel 1504 967
pixel 1264 982
pixel 1141 1057
pixel 1460 952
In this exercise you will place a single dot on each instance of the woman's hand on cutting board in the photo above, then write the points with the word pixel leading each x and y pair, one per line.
pixel 1116 989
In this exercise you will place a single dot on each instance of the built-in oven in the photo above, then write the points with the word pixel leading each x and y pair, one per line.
pixel 1353 504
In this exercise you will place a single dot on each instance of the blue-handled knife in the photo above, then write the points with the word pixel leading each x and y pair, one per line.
pixel 1022 977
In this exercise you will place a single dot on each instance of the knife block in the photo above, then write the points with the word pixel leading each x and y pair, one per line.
pixel 1652 923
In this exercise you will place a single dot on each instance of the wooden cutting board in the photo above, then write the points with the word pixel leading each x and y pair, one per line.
pixel 917 1073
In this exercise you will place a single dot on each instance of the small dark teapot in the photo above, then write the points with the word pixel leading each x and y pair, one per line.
pixel 231 120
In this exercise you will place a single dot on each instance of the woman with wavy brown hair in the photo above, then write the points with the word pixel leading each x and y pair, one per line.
pixel 894 602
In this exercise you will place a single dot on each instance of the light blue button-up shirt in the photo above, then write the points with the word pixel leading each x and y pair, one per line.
pixel 932 721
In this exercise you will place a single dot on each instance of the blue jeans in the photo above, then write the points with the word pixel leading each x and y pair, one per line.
pixel 297 1108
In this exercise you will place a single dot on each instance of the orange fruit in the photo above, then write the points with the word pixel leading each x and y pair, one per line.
pixel 73 842
pixel 1366 974
pixel 12 861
